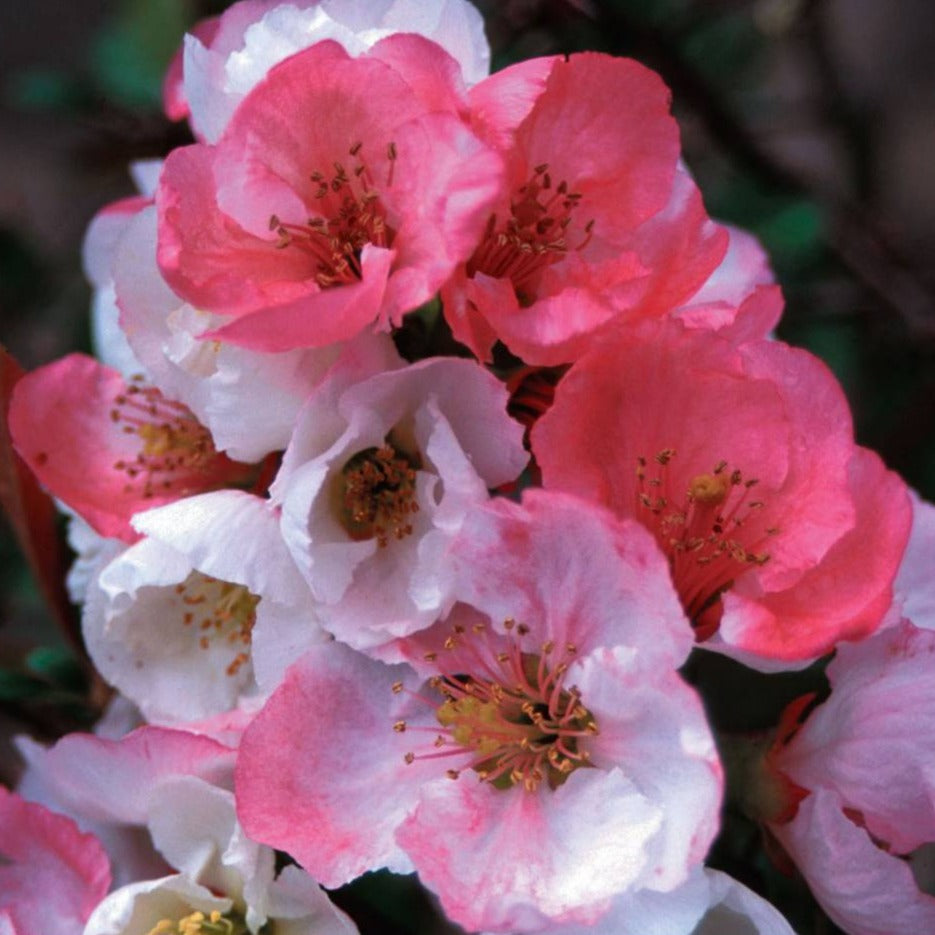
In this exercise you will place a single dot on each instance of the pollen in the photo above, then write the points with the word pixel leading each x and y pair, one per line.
pixel 197 923
pixel 221 613
pixel 377 493
pixel 348 215
pixel 533 236
pixel 512 721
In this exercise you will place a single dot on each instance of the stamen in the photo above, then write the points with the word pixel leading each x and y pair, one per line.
pixel 176 451
pixel 712 532
pixel 349 215
pixel 197 923
pixel 226 613
pixel 532 237
pixel 377 493
pixel 511 717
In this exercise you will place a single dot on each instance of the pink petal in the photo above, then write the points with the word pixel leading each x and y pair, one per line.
pixel 51 875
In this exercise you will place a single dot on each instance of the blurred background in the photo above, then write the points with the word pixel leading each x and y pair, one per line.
pixel 809 122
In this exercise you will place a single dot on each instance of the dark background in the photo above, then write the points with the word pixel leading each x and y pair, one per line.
pixel 810 122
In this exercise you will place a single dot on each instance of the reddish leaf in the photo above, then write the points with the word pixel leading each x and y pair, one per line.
pixel 31 513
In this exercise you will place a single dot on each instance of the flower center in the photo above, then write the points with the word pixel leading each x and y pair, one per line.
pixel 222 613
pixel 512 720
pixel 711 532
pixel 532 237
pixel 349 216
pixel 378 493
pixel 176 453
pixel 197 923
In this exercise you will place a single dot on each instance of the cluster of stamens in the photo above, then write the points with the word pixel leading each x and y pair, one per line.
pixel 349 216
pixel 221 612
pixel 197 923
pixel 711 532
pixel 534 236
pixel 512 717
pixel 175 448
pixel 378 494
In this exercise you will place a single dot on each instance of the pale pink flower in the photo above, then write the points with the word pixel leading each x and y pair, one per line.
pixel 341 195
pixel 376 482
pixel 220 382
pixel 529 769
pixel 225 57
pixel 708 903
pixel 596 219
pixel 51 874
pixel 109 448
pixel 204 613
pixel 741 460
pixel 866 759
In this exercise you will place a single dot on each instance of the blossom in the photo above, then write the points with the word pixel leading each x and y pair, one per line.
pixel 226 883
pixel 708 903
pixel 340 196
pixel 225 57
pixel 530 768
pixel 865 759
pixel 376 481
pixel 51 874
pixel 108 447
pixel 596 219
pixel 220 382
pixel 188 620
pixel 741 460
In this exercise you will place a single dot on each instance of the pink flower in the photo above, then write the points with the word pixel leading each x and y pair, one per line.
pixel 341 195
pixel 108 448
pixel 866 758
pixel 596 219
pixel 380 472
pixel 741 460
pixel 225 57
pixel 51 874
pixel 530 769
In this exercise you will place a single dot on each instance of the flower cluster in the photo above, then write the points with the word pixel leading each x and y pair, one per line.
pixel 435 425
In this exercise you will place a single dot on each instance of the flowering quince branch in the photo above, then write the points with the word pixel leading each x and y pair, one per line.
pixel 426 612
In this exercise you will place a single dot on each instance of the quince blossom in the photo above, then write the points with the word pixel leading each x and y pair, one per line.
pixel 341 195
pixel 708 903
pixel 376 482
pixel 530 768
pixel 783 536
pixel 865 761
pixel 187 621
pixel 220 382
pixel 596 219
pixel 225 57
pixel 110 448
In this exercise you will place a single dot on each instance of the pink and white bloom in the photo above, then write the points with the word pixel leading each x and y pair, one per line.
pixel 189 620
pixel 596 219
pixel 914 587
pixel 530 768
pixel 866 758
pixel 376 482
pixel 708 903
pixel 51 874
pixel 741 460
pixel 223 874
pixel 225 57
pixel 220 382
pixel 109 448
pixel 341 195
